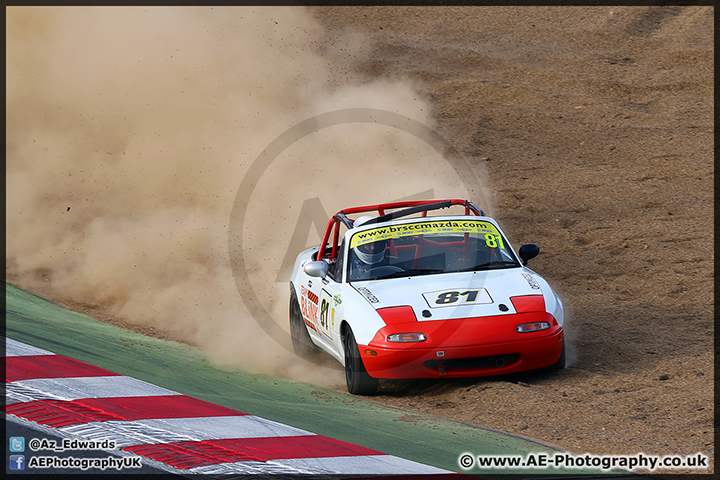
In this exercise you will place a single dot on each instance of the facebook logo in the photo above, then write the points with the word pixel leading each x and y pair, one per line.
pixel 17 444
pixel 17 462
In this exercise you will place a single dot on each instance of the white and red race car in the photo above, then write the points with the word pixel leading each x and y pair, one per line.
pixel 402 294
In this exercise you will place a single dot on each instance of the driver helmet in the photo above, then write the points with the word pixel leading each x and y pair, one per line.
pixel 373 252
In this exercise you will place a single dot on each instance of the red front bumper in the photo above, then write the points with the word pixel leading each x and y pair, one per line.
pixel 470 347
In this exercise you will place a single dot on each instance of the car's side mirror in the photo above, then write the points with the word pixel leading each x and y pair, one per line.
pixel 318 268
pixel 528 251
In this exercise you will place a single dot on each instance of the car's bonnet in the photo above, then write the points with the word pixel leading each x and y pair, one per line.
pixel 452 295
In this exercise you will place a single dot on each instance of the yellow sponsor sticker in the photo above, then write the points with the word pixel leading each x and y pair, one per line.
pixel 492 235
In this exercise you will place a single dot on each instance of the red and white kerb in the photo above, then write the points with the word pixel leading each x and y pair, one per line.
pixel 176 432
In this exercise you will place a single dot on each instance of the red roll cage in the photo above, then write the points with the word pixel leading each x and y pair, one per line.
pixel 418 206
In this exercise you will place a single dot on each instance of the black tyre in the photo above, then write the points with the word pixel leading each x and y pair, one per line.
pixel 560 364
pixel 359 382
pixel 302 344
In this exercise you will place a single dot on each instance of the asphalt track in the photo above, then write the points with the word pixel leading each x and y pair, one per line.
pixel 431 441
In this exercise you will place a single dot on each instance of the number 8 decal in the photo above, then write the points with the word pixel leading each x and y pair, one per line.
pixel 324 314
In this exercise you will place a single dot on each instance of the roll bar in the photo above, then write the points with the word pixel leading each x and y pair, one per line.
pixel 410 207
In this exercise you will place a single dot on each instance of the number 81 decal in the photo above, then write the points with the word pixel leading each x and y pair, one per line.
pixel 453 298
pixel 493 241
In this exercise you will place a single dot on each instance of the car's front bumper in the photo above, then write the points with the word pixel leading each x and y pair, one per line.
pixel 464 348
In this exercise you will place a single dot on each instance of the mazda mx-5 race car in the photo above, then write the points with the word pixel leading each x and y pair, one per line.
pixel 404 294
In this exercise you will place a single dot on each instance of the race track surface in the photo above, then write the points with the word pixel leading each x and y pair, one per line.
pixel 92 404
pixel 131 392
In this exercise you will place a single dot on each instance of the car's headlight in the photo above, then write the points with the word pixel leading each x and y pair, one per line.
pixel 407 337
pixel 533 327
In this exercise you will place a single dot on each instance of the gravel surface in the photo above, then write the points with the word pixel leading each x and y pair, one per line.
pixel 595 127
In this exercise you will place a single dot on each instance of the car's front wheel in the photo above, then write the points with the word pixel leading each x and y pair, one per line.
pixel 559 365
pixel 302 344
pixel 359 382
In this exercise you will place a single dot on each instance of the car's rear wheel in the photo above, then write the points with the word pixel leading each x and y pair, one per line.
pixel 359 382
pixel 302 344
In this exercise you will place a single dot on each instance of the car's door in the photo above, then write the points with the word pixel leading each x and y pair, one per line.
pixel 330 306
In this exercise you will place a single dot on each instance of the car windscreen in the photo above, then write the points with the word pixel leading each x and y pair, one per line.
pixel 428 247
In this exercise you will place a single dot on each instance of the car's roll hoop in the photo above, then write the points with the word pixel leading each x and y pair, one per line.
pixel 409 208
pixel 342 217
pixel 409 211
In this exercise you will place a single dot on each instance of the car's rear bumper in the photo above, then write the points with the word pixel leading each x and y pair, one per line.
pixel 473 357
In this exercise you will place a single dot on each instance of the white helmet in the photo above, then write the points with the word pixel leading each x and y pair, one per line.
pixel 361 220
pixel 373 252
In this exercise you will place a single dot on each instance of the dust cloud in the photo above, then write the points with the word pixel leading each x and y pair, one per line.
pixel 129 131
